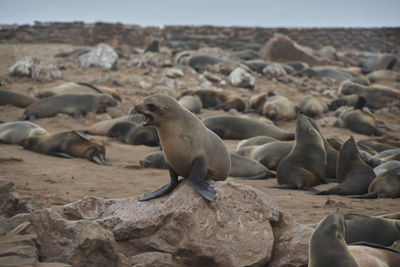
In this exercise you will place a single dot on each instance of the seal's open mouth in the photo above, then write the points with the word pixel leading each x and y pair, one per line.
pixel 148 119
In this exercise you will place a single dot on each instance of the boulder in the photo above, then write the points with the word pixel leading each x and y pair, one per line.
pixel 103 56
pixel 10 202
pixel 233 231
pixel 79 243
pixel 281 48
pixel 36 69
pixel 150 259
pixel 291 242
pixel 241 78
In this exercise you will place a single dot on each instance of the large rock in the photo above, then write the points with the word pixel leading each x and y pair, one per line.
pixel 291 242
pixel 233 231
pixel 103 56
pixel 241 78
pixel 150 259
pixel 36 69
pixel 80 243
pixel 10 201
pixel 281 48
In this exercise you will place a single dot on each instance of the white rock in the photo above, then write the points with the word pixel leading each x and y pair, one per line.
pixel 103 56
pixel 241 78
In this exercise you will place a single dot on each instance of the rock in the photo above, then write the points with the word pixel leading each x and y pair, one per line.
pixel 10 202
pixel 291 242
pixel 103 56
pixel 233 231
pixel 36 69
pixel 173 73
pixel 150 259
pixel 241 78
pixel 281 48
pixel 79 243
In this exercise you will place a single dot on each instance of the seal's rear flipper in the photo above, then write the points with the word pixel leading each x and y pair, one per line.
pixel 365 196
pixel 82 134
pixel 199 180
pixel 163 190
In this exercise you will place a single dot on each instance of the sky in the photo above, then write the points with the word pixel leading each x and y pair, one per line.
pixel 263 13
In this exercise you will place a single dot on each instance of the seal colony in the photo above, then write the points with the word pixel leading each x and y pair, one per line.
pixel 190 149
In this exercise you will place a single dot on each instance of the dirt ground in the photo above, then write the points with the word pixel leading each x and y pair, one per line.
pixel 54 182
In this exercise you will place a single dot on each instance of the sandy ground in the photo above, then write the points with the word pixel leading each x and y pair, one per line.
pixel 53 182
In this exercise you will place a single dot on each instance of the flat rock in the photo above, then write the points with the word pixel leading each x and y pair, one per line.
pixel 79 243
pixel 281 48
pixel 233 231
pixel 103 56
pixel 291 242
pixel 241 78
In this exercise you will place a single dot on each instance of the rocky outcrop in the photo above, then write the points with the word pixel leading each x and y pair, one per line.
pixel 233 231
pixel 103 56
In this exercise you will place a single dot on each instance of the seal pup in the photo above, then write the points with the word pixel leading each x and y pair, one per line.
pixel 67 145
pixel 328 247
pixel 15 99
pixel 241 167
pixel 305 165
pixel 273 107
pixel 312 106
pixel 385 156
pixel 16 131
pixel 232 127
pixel 358 120
pixel 353 174
pixel 192 103
pixel 102 127
pixel 371 229
pixel 134 134
pixel 74 105
pixel 386 185
pixel 190 149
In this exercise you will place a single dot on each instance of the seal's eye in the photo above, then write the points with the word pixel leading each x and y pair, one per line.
pixel 151 107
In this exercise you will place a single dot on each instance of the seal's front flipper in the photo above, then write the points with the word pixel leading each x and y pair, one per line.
pixel 99 159
pixel 199 180
pixel 163 190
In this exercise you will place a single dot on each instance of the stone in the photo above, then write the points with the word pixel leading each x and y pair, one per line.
pixel 281 48
pixel 233 231
pixel 291 242
pixel 79 243
pixel 173 73
pixel 102 56
pixel 241 78
pixel 150 259
pixel 36 69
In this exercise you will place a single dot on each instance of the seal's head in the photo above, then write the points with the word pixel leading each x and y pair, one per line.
pixel 157 109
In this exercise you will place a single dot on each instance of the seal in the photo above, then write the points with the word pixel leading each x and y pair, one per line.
pixel 102 127
pixel 67 145
pixel 72 88
pixel 218 99
pixel 305 165
pixel 386 185
pixel 190 149
pixel 241 167
pixel 269 154
pixel 371 229
pixel 313 106
pixel 358 120
pixel 232 127
pixel 385 156
pixel 15 99
pixel 192 103
pixel 381 143
pixel 200 62
pixel 74 105
pixel 274 107
pixel 384 167
pixel 134 134
pixel 353 174
pixel 254 141
pixel 16 131
pixel 328 247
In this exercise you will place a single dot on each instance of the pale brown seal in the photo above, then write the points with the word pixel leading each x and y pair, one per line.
pixel 192 103
pixel 313 106
pixel 16 131
pixel 190 149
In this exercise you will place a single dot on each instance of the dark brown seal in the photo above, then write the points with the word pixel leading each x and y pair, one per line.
pixel 15 99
